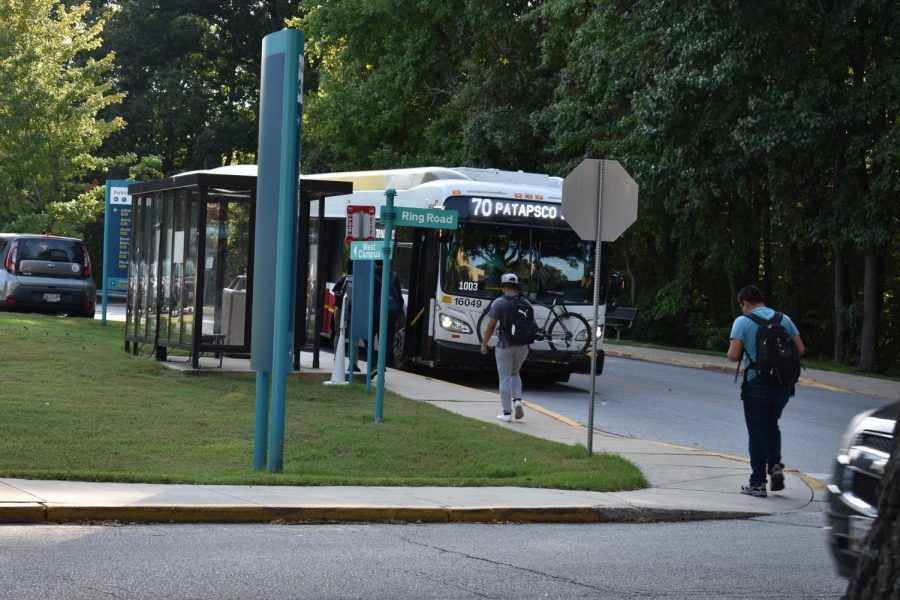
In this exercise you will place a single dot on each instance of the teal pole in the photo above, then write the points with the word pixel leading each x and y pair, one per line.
pixel 262 420
pixel 285 260
pixel 106 217
pixel 371 323
pixel 352 343
pixel 387 214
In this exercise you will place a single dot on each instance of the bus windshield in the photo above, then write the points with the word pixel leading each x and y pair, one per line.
pixel 545 260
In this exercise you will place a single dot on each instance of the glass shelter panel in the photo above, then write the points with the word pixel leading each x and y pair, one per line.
pixel 165 263
pixel 312 277
pixel 227 253
pixel 179 224
pixel 190 264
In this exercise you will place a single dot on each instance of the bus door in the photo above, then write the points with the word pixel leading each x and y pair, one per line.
pixel 422 285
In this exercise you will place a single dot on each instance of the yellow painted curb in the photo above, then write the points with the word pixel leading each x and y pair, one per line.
pixel 21 512
pixel 245 514
pixel 535 514
pixel 553 415
pixel 810 481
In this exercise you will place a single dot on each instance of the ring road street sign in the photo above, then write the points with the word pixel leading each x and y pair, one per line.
pixel 426 217
pixel 595 182
pixel 367 250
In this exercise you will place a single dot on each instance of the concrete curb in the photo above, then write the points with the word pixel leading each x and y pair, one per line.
pixel 36 514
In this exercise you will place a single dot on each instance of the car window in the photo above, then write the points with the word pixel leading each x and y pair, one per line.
pixel 49 249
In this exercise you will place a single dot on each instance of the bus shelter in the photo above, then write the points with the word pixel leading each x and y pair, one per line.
pixel 190 268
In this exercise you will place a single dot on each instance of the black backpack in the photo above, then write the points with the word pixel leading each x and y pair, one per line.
pixel 518 321
pixel 777 360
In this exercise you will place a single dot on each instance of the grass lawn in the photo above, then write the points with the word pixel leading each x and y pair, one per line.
pixel 76 406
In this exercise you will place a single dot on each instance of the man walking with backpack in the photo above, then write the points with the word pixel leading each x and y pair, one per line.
pixel 771 345
pixel 517 328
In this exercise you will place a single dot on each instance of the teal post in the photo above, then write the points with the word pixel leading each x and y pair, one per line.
pixel 353 344
pixel 262 420
pixel 285 271
pixel 105 275
pixel 276 237
pixel 387 214
pixel 371 332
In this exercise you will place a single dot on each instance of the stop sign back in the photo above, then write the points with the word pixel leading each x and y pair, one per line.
pixel 595 183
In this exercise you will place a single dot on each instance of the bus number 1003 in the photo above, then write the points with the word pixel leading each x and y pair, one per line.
pixel 468 286
pixel 470 302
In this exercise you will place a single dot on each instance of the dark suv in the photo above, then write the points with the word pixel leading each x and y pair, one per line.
pixel 43 273
pixel 856 484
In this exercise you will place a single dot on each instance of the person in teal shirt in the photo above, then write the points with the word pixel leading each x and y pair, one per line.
pixel 763 404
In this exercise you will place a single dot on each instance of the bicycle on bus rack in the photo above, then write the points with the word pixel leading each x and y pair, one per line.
pixel 562 330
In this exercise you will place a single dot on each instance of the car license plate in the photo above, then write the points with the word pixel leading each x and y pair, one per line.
pixel 857 530
pixel 51 297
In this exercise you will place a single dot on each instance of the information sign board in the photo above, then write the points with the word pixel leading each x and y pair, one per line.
pixel 118 235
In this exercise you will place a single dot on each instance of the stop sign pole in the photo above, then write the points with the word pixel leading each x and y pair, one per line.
pixel 598 250
pixel 594 189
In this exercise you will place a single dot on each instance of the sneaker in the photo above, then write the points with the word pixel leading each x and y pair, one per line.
pixel 777 475
pixel 505 417
pixel 758 490
pixel 517 407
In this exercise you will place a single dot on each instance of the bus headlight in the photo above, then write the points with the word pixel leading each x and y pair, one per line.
pixel 455 325
pixel 582 335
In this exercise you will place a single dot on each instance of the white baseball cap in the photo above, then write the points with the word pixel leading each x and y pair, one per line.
pixel 509 279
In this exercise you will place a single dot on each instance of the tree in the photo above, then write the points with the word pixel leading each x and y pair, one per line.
pixel 877 575
pixel 50 95
pixel 415 83
pixel 191 69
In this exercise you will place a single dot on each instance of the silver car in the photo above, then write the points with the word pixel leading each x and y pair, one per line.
pixel 855 489
pixel 43 273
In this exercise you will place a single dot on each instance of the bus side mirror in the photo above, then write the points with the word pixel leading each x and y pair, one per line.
pixel 617 288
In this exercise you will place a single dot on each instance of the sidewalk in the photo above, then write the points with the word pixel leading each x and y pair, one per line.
pixel 685 483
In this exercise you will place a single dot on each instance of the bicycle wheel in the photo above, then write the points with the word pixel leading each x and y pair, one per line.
pixel 569 332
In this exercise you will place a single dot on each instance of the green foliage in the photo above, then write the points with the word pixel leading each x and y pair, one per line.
pixel 191 69
pixel 411 83
pixel 50 95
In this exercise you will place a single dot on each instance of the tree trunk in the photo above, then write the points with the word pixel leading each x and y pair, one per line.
pixel 840 331
pixel 877 575
pixel 870 312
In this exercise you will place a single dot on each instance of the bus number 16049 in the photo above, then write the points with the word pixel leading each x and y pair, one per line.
pixel 469 302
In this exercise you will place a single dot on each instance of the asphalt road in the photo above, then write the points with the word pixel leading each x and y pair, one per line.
pixel 772 557
pixel 697 408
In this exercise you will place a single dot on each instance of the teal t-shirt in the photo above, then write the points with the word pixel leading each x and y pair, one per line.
pixel 745 329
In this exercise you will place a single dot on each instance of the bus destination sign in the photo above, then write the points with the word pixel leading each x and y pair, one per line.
pixel 503 210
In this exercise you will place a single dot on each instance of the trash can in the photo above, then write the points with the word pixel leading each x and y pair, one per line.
pixel 234 309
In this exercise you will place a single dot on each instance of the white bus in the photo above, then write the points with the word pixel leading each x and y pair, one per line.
pixel 508 222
